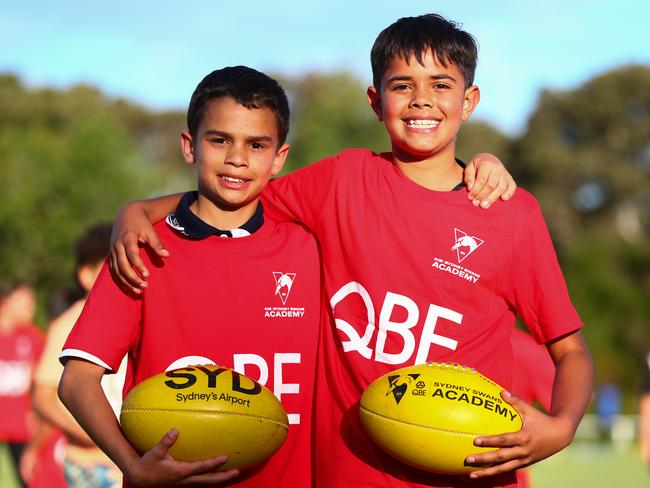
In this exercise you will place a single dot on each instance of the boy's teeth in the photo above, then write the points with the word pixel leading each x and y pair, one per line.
pixel 234 180
pixel 424 124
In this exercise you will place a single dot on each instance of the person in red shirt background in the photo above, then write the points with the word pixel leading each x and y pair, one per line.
pixel 21 344
pixel 532 379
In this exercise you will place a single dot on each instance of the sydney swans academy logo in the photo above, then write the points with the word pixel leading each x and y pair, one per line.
pixel 283 285
pixel 398 385
pixel 464 245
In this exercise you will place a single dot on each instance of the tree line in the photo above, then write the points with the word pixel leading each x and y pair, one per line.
pixel 71 157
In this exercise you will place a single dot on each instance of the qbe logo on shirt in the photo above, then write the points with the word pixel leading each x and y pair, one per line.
pixel 284 283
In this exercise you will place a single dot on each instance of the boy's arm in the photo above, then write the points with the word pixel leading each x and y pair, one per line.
pixel 543 435
pixel 81 392
pixel 133 226
pixel 487 179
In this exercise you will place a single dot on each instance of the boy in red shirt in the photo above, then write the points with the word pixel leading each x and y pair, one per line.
pixel 240 290
pixel 414 273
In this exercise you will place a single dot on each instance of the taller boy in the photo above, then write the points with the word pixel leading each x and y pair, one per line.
pixel 415 273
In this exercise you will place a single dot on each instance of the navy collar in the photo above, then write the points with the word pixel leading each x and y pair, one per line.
pixel 460 185
pixel 184 221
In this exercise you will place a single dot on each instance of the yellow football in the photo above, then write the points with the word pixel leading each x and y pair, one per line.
pixel 216 410
pixel 429 415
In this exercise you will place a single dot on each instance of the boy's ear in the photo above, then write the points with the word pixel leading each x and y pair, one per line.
pixel 280 158
pixel 472 97
pixel 374 99
pixel 187 147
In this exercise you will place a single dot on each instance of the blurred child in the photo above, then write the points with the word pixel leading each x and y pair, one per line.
pixel 85 465
pixel 21 344
pixel 532 380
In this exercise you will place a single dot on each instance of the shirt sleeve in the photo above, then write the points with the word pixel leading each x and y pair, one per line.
pixel 108 326
pixel 535 285
pixel 300 196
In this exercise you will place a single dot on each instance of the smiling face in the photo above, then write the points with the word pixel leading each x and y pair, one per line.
pixel 236 152
pixel 422 107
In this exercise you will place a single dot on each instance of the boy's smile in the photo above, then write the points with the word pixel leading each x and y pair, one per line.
pixel 422 107
pixel 236 152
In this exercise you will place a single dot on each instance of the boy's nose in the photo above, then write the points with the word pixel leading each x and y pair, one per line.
pixel 421 99
pixel 236 156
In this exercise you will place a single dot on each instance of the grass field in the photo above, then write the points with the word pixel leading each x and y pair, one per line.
pixel 589 465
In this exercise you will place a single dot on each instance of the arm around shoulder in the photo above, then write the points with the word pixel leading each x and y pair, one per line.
pixel 132 227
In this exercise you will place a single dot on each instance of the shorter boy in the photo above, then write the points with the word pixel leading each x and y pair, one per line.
pixel 83 460
pixel 239 290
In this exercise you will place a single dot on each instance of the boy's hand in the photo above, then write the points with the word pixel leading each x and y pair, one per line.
pixel 540 437
pixel 487 179
pixel 158 468
pixel 130 229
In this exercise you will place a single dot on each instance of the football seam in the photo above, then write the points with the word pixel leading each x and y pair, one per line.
pixel 418 425
pixel 209 412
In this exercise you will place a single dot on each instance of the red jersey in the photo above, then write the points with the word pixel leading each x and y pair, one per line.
pixel 250 303
pixel 19 353
pixel 414 275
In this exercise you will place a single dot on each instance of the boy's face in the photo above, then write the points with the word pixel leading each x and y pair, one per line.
pixel 422 106
pixel 236 153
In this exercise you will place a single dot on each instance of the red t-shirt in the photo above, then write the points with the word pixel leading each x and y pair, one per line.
pixel 252 303
pixel 414 275
pixel 19 353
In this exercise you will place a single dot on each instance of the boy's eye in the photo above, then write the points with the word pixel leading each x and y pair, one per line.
pixel 257 145
pixel 401 87
pixel 441 86
pixel 218 140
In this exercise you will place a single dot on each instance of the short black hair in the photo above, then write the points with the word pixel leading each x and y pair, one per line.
pixel 248 87
pixel 414 36
pixel 93 245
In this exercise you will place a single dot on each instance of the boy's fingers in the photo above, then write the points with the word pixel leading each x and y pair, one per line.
pixel 162 448
pixel 133 255
pixel 478 190
pixel 210 478
pixel 468 175
pixel 207 466
pixel 126 273
pixel 125 285
pixel 155 243
pixel 498 469
pixel 496 193
pixel 116 256
pixel 511 187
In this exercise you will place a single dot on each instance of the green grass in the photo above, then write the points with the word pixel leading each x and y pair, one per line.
pixel 7 472
pixel 583 464
pixel 592 465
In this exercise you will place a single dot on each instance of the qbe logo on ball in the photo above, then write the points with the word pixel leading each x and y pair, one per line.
pixel 216 410
pixel 429 415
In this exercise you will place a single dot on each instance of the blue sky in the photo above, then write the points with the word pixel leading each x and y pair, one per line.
pixel 156 52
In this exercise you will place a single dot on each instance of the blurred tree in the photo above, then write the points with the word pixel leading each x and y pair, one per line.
pixel 330 113
pixel 586 157
pixel 478 136
pixel 67 159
